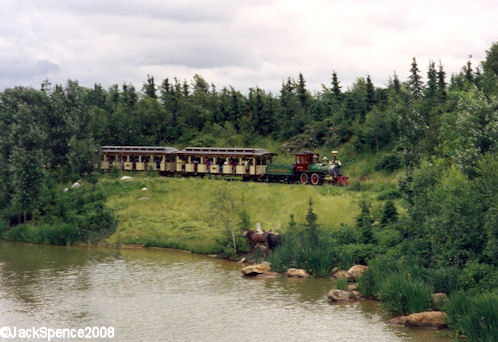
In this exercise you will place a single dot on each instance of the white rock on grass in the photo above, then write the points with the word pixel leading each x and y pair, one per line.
pixel 126 178
pixel 144 189
pixel 76 185
pixel 66 189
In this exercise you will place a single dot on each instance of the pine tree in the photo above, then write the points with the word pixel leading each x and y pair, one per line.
pixel 431 88
pixel 441 81
pixel 389 214
pixel 415 80
pixel 302 93
pixel 311 226
pixel 396 83
pixel 364 223
pixel 149 87
pixel 370 94
pixel 336 88
pixel 469 73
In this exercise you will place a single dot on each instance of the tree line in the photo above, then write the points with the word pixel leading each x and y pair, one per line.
pixel 57 129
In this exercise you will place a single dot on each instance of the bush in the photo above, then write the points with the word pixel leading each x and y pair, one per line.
pixel 341 283
pixel 389 194
pixel 389 162
pixel 475 317
pixel 404 295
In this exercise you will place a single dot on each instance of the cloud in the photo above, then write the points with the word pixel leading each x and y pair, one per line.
pixel 243 44
pixel 25 68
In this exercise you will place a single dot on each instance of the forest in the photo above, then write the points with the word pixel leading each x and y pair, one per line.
pixel 439 131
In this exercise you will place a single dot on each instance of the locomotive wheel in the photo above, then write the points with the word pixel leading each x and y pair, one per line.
pixel 315 179
pixel 303 178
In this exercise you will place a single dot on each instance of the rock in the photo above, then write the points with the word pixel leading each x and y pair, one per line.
pixel 269 274
pixel 66 189
pixel 241 261
pixel 335 269
pixel 428 319
pixel 354 273
pixel 356 295
pixel 76 185
pixel 400 320
pixel 144 199
pixel 255 269
pixel 144 189
pixel 341 296
pixel 297 272
pixel 352 287
pixel 126 178
pixel 339 274
pixel 438 300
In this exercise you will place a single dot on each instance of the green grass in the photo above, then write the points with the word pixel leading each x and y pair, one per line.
pixel 180 212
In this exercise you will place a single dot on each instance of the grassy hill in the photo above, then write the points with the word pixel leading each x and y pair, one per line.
pixel 191 213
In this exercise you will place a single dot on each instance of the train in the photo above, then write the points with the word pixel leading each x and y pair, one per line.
pixel 244 163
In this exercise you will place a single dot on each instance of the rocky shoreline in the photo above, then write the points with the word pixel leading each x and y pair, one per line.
pixel 428 319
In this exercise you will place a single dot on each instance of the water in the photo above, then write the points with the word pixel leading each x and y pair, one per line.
pixel 164 295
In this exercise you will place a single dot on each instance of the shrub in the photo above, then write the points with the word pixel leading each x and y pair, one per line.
pixel 389 194
pixel 475 317
pixel 341 283
pixel 404 295
pixel 389 162
pixel 367 285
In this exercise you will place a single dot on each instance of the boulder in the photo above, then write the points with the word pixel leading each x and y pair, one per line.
pixel 400 320
pixel 438 300
pixel 126 178
pixel 352 287
pixel 269 274
pixel 66 189
pixel 356 295
pixel 341 296
pixel 255 269
pixel 339 274
pixel 297 272
pixel 144 189
pixel 354 273
pixel 428 319
pixel 76 185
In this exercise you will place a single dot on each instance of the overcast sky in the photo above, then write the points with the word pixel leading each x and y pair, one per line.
pixel 239 43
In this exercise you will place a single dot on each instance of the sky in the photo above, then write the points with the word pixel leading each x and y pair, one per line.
pixel 237 43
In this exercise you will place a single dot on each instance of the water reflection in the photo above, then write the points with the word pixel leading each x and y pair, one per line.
pixel 149 294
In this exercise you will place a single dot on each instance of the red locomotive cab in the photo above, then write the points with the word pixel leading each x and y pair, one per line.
pixel 304 159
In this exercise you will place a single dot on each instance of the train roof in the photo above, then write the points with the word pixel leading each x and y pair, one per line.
pixel 225 152
pixel 138 149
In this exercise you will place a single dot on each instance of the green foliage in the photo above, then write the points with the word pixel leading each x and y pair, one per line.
pixel 389 214
pixel 475 317
pixel 389 194
pixel 304 246
pixel 341 283
pixel 389 162
pixel 403 295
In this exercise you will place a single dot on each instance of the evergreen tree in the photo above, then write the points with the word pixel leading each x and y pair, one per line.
pixel 469 73
pixel 311 227
pixel 364 223
pixel 441 81
pixel 336 88
pixel 432 80
pixel 490 64
pixel 370 94
pixel 149 87
pixel 415 80
pixel 389 214
pixel 396 83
